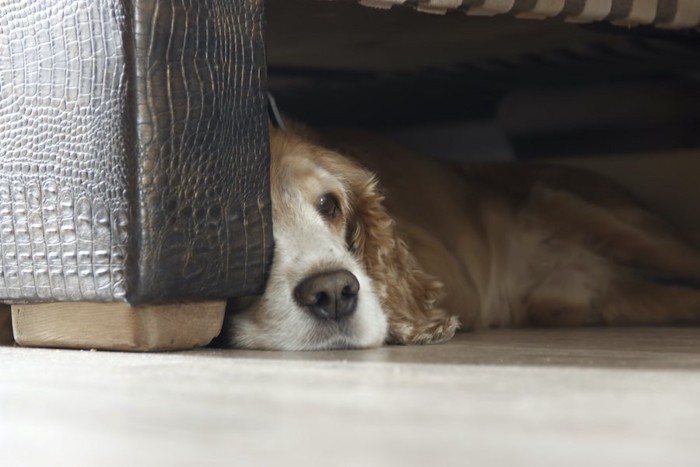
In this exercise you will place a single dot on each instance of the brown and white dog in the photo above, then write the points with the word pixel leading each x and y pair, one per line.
pixel 374 244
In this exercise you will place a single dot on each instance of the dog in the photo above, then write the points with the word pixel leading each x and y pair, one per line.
pixel 375 245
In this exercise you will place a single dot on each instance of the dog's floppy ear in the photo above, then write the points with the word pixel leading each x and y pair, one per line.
pixel 408 295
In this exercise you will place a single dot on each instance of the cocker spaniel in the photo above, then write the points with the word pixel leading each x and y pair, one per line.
pixel 374 245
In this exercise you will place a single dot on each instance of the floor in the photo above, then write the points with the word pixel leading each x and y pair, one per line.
pixel 618 397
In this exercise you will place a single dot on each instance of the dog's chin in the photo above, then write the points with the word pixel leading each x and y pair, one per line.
pixel 295 330
pixel 350 335
pixel 319 336
pixel 334 339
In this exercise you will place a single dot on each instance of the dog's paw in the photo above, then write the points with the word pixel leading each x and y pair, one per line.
pixel 431 331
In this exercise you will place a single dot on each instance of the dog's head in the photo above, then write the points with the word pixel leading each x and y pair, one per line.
pixel 340 277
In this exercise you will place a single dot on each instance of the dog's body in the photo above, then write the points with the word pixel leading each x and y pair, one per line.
pixel 435 245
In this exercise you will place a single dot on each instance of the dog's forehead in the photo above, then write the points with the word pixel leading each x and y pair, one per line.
pixel 305 174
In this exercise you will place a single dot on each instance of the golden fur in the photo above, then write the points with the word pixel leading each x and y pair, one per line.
pixel 479 246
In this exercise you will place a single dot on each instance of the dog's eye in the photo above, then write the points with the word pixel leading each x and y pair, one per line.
pixel 328 206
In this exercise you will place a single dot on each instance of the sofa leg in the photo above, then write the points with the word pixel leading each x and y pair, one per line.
pixel 117 326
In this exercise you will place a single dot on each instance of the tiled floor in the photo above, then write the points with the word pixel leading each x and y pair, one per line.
pixel 585 397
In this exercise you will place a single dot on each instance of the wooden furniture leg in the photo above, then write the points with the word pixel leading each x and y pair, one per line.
pixel 117 326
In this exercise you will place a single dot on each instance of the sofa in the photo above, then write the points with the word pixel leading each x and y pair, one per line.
pixel 134 184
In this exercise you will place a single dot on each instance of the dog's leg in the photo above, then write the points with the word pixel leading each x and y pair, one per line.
pixel 627 235
pixel 634 301
pixel 638 272
pixel 620 299
pixel 568 293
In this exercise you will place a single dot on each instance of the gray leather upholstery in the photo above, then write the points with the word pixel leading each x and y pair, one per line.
pixel 133 150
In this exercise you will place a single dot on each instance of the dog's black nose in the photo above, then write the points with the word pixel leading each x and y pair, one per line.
pixel 328 295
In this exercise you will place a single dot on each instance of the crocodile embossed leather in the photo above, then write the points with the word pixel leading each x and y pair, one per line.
pixel 133 150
